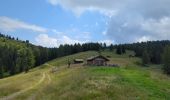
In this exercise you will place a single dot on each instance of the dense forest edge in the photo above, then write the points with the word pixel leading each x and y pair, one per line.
pixel 18 56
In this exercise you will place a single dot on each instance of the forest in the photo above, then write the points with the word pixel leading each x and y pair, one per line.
pixel 19 56
pixel 151 52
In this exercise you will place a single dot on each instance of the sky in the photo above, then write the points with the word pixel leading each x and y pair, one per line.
pixel 50 23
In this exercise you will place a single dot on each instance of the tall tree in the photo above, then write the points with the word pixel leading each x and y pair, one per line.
pixel 111 47
pixel 119 50
pixel 30 61
pixel 104 46
pixel 145 57
pixel 12 61
pixel 21 59
pixel 166 60
pixel 123 49
pixel 1 69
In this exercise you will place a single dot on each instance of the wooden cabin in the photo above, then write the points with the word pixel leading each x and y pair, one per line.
pixel 97 60
pixel 78 61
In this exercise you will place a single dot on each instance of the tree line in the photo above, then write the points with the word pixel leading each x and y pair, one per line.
pixel 155 52
pixel 18 56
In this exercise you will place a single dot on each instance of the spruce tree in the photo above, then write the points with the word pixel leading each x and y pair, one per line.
pixel 111 47
pixel 166 60
pixel 145 57
pixel 123 49
pixel 119 50
pixel 30 60
pixel 1 72
pixel 1 69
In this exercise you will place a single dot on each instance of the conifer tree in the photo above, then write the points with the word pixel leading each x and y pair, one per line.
pixel 119 50
pixel 111 47
pixel 1 69
pixel 145 57
pixel 166 60
pixel 123 49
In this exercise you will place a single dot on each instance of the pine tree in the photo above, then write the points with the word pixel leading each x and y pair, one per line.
pixel 119 50
pixel 1 72
pixel 29 60
pixel 145 57
pixel 12 60
pixel 166 60
pixel 1 69
pixel 111 47
pixel 123 49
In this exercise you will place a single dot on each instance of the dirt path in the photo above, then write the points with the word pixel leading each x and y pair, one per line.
pixel 10 97
pixel 49 78
pixel 44 75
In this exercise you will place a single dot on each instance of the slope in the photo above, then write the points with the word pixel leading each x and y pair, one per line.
pixel 130 81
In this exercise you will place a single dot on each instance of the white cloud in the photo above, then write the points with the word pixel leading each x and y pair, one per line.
pixel 8 24
pixel 67 40
pixel 80 6
pixel 159 28
pixel 144 39
pixel 45 40
pixel 129 19
pixel 113 7
pixel 108 42
pixel 53 2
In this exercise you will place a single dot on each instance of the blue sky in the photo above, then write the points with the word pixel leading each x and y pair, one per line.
pixel 53 22
pixel 58 22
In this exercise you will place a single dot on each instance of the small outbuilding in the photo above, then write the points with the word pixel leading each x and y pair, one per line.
pixel 78 61
pixel 97 60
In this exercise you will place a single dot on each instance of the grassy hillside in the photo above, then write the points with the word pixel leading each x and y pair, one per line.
pixel 129 82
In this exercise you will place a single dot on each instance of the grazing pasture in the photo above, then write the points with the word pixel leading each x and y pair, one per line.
pixel 130 81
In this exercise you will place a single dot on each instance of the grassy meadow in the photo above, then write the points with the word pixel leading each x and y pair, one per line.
pixel 130 81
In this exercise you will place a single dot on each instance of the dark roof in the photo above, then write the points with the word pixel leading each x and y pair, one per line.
pixel 98 56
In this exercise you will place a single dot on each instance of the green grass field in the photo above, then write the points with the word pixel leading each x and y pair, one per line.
pixel 130 81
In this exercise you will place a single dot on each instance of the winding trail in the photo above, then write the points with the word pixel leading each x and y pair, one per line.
pixel 44 76
pixel 10 97
pixel 49 78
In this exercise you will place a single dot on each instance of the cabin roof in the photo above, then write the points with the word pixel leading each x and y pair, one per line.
pixel 98 56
